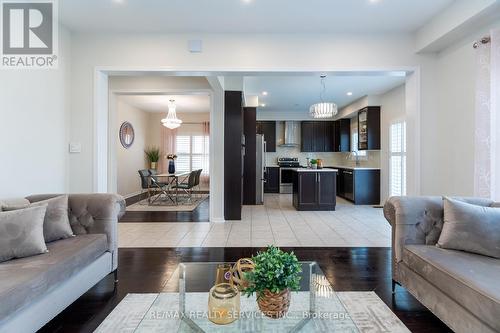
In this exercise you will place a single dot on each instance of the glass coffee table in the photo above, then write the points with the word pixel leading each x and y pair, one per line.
pixel 314 308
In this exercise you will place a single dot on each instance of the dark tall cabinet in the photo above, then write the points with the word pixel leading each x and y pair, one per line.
pixel 268 129
pixel 369 128
pixel 233 155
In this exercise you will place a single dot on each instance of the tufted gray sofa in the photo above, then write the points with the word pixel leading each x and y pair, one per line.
pixel 33 290
pixel 460 288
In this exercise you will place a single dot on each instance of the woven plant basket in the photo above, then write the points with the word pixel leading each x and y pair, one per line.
pixel 274 305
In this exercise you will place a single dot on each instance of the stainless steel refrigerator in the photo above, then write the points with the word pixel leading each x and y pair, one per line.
pixel 260 169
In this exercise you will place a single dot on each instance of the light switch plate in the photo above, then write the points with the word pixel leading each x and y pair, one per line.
pixel 195 46
pixel 75 147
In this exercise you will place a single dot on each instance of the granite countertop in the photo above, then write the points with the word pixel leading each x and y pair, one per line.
pixel 351 168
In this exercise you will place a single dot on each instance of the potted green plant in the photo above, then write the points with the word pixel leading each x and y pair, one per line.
pixel 275 275
pixel 153 156
pixel 314 164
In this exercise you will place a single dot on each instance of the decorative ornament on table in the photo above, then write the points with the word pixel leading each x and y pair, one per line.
pixel 223 304
pixel 171 163
pixel 275 275
pixel 237 277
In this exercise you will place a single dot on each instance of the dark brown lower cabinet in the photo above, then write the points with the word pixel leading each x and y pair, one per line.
pixel 272 184
pixel 361 186
pixel 314 190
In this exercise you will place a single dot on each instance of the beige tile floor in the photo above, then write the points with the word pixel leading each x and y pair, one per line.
pixel 276 222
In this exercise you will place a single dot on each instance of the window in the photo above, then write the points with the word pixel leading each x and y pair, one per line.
pixel 192 153
pixel 397 159
pixel 354 145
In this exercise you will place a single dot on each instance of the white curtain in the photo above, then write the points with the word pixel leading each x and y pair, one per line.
pixel 487 119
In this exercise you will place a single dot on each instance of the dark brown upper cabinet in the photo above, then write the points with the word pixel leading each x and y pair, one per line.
pixel 342 135
pixel 268 128
pixel 317 136
pixel 369 128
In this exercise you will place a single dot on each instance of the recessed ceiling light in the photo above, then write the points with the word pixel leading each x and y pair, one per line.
pixel 263 105
pixel 374 1
pixel 264 93
pixel 349 93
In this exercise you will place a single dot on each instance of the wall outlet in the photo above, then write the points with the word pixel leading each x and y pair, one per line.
pixel 75 147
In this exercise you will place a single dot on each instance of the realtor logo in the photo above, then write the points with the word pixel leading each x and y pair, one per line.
pixel 29 34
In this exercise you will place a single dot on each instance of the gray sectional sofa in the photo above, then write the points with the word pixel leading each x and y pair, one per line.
pixel 35 289
pixel 461 288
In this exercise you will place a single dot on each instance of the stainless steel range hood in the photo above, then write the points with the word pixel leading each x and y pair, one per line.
pixel 291 138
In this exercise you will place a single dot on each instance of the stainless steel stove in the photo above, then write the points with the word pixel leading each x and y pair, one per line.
pixel 287 165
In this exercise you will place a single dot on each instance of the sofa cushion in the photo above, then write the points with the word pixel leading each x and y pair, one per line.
pixel 470 228
pixel 21 233
pixel 470 279
pixel 13 203
pixel 56 224
pixel 23 280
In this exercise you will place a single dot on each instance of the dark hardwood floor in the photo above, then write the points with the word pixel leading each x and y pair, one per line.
pixel 199 214
pixel 147 270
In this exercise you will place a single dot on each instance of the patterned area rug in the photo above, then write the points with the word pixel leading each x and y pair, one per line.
pixel 366 313
pixel 166 205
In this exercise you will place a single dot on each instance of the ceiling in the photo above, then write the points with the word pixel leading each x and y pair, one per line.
pixel 249 16
pixel 159 103
pixel 295 93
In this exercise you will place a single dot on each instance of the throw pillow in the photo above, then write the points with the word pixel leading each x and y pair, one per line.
pixel 13 204
pixel 470 228
pixel 56 224
pixel 21 233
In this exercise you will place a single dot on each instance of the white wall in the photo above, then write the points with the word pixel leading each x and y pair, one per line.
pixel 130 160
pixel 233 51
pixel 34 115
pixel 393 108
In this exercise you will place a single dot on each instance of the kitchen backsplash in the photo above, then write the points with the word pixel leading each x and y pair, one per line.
pixel 371 160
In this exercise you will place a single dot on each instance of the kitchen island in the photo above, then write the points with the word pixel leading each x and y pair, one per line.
pixel 314 189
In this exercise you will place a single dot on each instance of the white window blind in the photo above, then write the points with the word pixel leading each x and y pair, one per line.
pixel 397 163
pixel 192 153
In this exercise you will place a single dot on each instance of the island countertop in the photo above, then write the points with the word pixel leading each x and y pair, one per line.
pixel 315 170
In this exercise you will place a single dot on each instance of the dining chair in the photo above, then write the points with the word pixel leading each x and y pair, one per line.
pixel 188 186
pixel 145 183
pixel 197 182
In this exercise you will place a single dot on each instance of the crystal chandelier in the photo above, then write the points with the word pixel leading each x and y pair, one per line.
pixel 171 121
pixel 323 109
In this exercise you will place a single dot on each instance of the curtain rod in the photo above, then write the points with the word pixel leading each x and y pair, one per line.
pixel 484 40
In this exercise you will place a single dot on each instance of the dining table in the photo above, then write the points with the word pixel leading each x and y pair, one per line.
pixel 172 181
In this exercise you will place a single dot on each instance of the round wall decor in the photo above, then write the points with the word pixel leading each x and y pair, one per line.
pixel 127 134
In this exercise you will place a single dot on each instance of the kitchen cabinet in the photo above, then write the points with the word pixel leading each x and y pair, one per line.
pixel 317 136
pixel 369 128
pixel 314 190
pixel 272 184
pixel 342 135
pixel 361 186
pixel 268 129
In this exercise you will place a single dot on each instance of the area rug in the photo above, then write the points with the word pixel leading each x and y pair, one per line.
pixel 367 313
pixel 167 206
